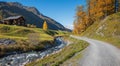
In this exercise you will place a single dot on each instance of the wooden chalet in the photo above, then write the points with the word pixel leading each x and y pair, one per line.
pixel 14 20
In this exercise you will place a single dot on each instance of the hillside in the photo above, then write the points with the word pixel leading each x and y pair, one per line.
pixel 31 15
pixel 107 30
pixel 21 33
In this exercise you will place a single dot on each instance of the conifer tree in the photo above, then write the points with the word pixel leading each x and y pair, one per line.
pixel 96 10
pixel 45 26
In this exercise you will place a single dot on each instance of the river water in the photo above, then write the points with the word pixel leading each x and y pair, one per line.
pixel 23 58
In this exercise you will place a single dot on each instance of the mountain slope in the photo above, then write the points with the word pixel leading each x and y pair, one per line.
pixel 31 14
pixel 106 30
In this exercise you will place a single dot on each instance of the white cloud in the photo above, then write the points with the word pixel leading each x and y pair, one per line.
pixel 69 26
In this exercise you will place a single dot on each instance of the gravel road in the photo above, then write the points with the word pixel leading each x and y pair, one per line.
pixel 99 53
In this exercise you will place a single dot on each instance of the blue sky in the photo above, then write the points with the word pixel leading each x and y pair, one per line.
pixel 62 11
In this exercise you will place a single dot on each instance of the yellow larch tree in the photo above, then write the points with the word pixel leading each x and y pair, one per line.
pixel 96 11
pixel 45 26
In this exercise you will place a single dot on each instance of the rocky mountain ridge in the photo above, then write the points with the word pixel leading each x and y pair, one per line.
pixel 31 14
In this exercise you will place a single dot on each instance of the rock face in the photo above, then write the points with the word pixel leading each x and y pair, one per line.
pixel 7 41
pixel 31 14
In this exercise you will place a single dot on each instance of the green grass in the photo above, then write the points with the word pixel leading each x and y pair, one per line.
pixel 107 30
pixel 59 58
pixel 19 32
pixel 74 61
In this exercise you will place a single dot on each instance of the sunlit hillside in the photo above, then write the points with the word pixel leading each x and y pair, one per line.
pixel 19 32
pixel 107 30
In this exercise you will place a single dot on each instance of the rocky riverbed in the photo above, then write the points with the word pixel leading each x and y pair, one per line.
pixel 7 41
pixel 23 58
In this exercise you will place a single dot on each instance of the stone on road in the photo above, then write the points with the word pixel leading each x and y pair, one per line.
pixel 99 53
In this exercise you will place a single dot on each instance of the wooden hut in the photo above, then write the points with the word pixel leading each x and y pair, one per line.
pixel 14 20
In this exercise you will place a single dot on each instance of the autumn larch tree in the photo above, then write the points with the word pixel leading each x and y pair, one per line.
pixel 45 26
pixel 79 24
pixel 96 11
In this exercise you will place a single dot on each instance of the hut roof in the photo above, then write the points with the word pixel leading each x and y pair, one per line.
pixel 12 17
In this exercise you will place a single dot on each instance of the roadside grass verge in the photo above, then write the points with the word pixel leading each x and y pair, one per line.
pixel 112 40
pixel 65 54
pixel 74 61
